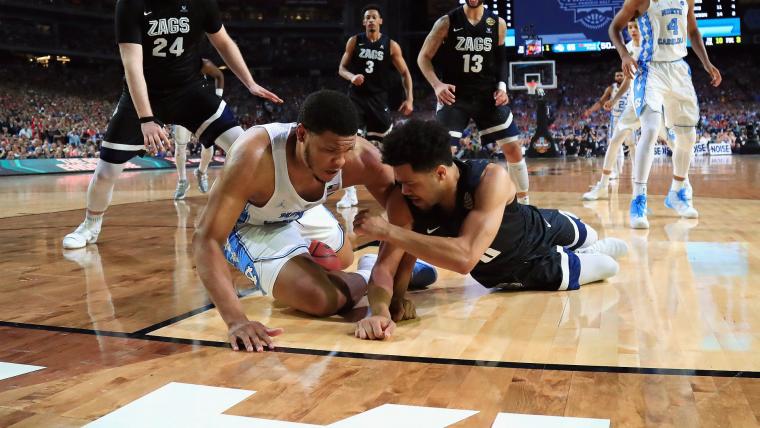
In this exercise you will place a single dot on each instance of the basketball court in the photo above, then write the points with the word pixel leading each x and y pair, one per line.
pixel 122 331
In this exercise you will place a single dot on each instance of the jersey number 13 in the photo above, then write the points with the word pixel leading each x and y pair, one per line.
pixel 473 63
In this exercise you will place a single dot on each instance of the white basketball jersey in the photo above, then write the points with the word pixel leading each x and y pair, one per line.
pixel 286 204
pixel 619 106
pixel 663 31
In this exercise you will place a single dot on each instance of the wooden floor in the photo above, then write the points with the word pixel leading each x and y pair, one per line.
pixel 673 340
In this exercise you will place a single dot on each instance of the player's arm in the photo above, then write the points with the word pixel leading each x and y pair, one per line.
pixel 368 169
pixel 389 280
pixel 631 9
pixel 433 41
pixel 227 200
pixel 622 91
pixel 597 105
pixel 128 23
pixel 698 45
pixel 502 69
pixel 230 53
pixel 209 69
pixel 345 60
pixel 407 107
pixel 459 254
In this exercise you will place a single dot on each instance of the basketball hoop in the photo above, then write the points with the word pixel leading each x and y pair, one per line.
pixel 531 87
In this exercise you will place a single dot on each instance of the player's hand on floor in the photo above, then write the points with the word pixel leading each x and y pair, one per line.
pixel 403 309
pixel 375 327
pixel 357 80
pixel 262 92
pixel 407 107
pixel 501 98
pixel 715 77
pixel 445 94
pixel 371 226
pixel 154 137
pixel 253 335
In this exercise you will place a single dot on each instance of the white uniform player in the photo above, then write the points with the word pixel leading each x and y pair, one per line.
pixel 662 87
pixel 265 238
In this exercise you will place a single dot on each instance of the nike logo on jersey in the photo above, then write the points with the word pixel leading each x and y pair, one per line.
pixel 147 13
pixel 360 44
pixel 429 231
pixel 456 30
pixel 547 223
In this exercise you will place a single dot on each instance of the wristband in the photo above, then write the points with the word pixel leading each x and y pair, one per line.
pixel 148 119
pixel 502 86
pixel 219 92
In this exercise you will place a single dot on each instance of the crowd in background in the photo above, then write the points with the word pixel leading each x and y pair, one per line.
pixel 63 111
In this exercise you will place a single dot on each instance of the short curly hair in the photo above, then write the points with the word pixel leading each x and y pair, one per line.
pixel 423 144
pixel 328 110
pixel 372 6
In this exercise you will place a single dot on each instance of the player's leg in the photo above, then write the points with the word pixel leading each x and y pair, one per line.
pixel 181 139
pixel 682 115
pixel 123 140
pixel 455 118
pixel 201 174
pixel 497 125
pixel 614 152
pixel 649 88
pixel 568 231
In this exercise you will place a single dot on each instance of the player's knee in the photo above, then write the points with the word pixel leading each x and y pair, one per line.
pixel 107 172
pixel 511 149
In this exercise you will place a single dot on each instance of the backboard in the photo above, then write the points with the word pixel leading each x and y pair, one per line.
pixel 543 72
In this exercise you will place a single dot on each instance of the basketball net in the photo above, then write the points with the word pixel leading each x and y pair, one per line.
pixel 531 87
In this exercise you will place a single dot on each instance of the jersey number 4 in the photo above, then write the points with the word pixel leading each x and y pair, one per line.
pixel 473 63
pixel 673 26
pixel 176 47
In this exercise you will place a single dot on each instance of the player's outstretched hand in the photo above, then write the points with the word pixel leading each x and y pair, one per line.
pixel 262 92
pixel 357 80
pixel 154 137
pixel 629 67
pixel 445 93
pixel 375 327
pixel 715 77
pixel 608 105
pixel 407 107
pixel 253 335
pixel 501 97
pixel 371 226
pixel 403 309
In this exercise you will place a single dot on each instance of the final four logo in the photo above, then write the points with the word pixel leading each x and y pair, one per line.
pixel 592 14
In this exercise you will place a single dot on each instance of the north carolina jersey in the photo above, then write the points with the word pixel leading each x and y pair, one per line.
pixel 286 204
pixel 469 52
pixel 619 106
pixel 663 31
pixel 373 61
pixel 171 33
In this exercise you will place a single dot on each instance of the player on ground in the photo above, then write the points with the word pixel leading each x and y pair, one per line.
pixel 160 43
pixel 367 63
pixel 278 176
pixel 182 138
pixel 663 87
pixel 470 43
pixel 463 216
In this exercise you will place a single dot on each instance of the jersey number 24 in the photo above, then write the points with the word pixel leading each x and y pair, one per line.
pixel 161 43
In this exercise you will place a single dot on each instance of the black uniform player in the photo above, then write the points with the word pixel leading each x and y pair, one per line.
pixel 367 63
pixel 468 47
pixel 159 42
pixel 463 216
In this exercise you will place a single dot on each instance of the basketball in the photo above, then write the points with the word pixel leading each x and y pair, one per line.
pixel 324 255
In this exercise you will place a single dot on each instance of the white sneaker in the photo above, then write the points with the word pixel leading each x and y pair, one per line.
pixel 202 180
pixel 525 200
pixel 612 247
pixel 680 202
pixel 366 262
pixel 639 212
pixel 80 237
pixel 349 199
pixel 598 191
pixel 181 190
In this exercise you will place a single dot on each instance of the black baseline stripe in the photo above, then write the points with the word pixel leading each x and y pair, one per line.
pixel 170 321
pixel 406 358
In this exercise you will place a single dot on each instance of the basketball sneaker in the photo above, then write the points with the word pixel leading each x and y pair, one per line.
pixel 678 201
pixel 598 191
pixel 82 236
pixel 349 198
pixel 525 200
pixel 181 191
pixel 639 212
pixel 423 273
pixel 613 247
pixel 202 180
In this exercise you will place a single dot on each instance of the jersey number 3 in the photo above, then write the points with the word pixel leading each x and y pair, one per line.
pixel 176 47
pixel 473 63
pixel 370 67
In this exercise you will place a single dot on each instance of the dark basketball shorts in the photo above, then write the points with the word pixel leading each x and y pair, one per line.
pixel 553 266
pixel 374 113
pixel 195 107
pixel 494 123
